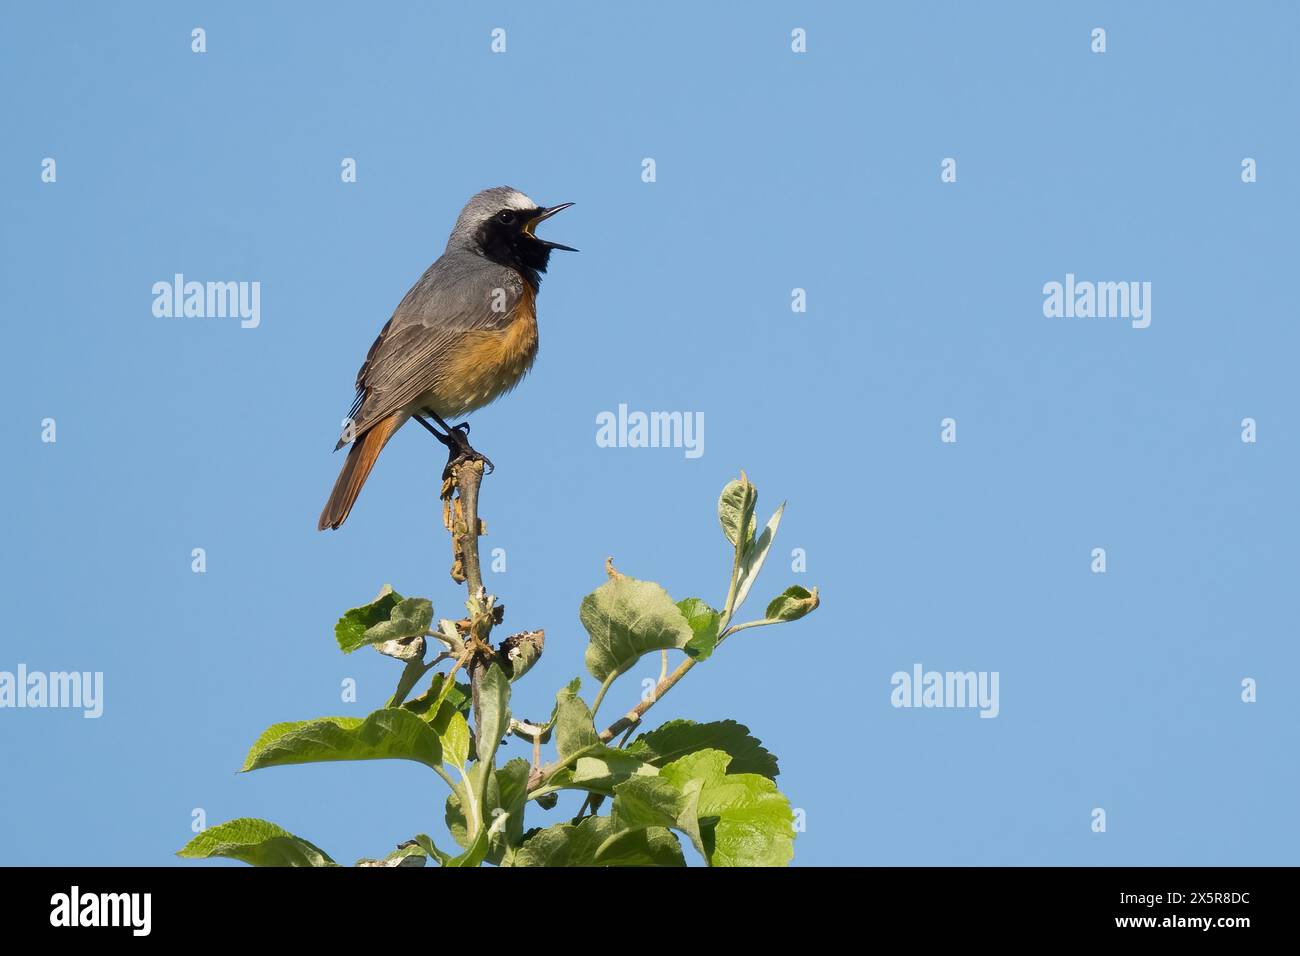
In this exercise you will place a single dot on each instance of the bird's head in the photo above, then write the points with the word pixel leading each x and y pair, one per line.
pixel 499 223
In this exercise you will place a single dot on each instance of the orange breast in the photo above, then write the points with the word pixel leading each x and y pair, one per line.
pixel 487 364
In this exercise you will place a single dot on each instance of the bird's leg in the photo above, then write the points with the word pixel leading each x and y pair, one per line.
pixel 457 441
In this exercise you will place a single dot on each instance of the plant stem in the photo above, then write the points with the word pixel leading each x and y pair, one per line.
pixel 740 627
pixel 466 478
pixel 604 689
pixel 637 712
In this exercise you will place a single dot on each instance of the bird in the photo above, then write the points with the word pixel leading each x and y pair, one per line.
pixel 463 336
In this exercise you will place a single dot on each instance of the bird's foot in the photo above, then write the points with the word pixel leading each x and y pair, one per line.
pixel 459 450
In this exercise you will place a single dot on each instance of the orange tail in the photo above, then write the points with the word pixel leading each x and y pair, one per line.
pixel 361 458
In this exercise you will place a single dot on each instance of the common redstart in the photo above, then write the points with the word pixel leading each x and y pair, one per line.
pixel 463 336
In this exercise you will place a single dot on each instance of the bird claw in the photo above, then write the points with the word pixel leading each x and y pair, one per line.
pixel 459 451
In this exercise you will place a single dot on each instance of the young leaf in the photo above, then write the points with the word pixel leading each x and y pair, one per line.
pixel 455 739
pixel 351 627
pixel 494 716
pixel 388 733
pixel 626 618
pixel 677 738
pixel 389 617
pixel 256 842
pixel 736 510
pixel 575 735
pixel 703 622
pixel 793 603
pixel 512 789
pixel 752 561
pixel 599 841
pixel 410 617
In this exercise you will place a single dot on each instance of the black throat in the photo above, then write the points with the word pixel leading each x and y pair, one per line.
pixel 511 246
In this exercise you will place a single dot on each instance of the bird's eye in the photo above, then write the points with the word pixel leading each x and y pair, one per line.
pixel 506 217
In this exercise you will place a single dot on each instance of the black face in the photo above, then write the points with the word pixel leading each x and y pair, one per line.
pixel 506 238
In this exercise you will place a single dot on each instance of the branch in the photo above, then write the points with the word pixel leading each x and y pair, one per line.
pixel 633 716
pixel 460 516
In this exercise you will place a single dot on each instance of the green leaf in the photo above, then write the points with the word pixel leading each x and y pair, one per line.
pixel 456 695
pixel 751 562
pixel 494 835
pixel 494 712
pixel 455 815
pixel 477 799
pixel 256 842
pixel 424 844
pixel 599 841
pixel 389 617
pixel 677 738
pixel 625 619
pixel 643 801
pixel 736 510
pixel 703 622
pixel 455 739
pixel 517 727
pixel 351 627
pixel 793 603
pixel 738 819
pixel 600 774
pixel 507 792
pixel 754 823
pixel 388 733
pixel 575 734
pixel 475 854
pixel 512 788
pixel 407 854
pixel 410 618
pixel 502 798
pixel 588 764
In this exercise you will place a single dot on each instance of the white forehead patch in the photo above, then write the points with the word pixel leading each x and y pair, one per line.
pixel 517 200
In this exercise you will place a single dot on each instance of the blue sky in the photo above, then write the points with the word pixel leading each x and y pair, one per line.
pixel 774 171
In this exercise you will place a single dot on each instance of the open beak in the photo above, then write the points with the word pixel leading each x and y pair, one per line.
pixel 545 215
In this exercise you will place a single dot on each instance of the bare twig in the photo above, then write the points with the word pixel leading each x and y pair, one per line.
pixel 460 515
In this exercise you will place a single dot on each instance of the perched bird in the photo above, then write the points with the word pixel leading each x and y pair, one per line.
pixel 465 334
